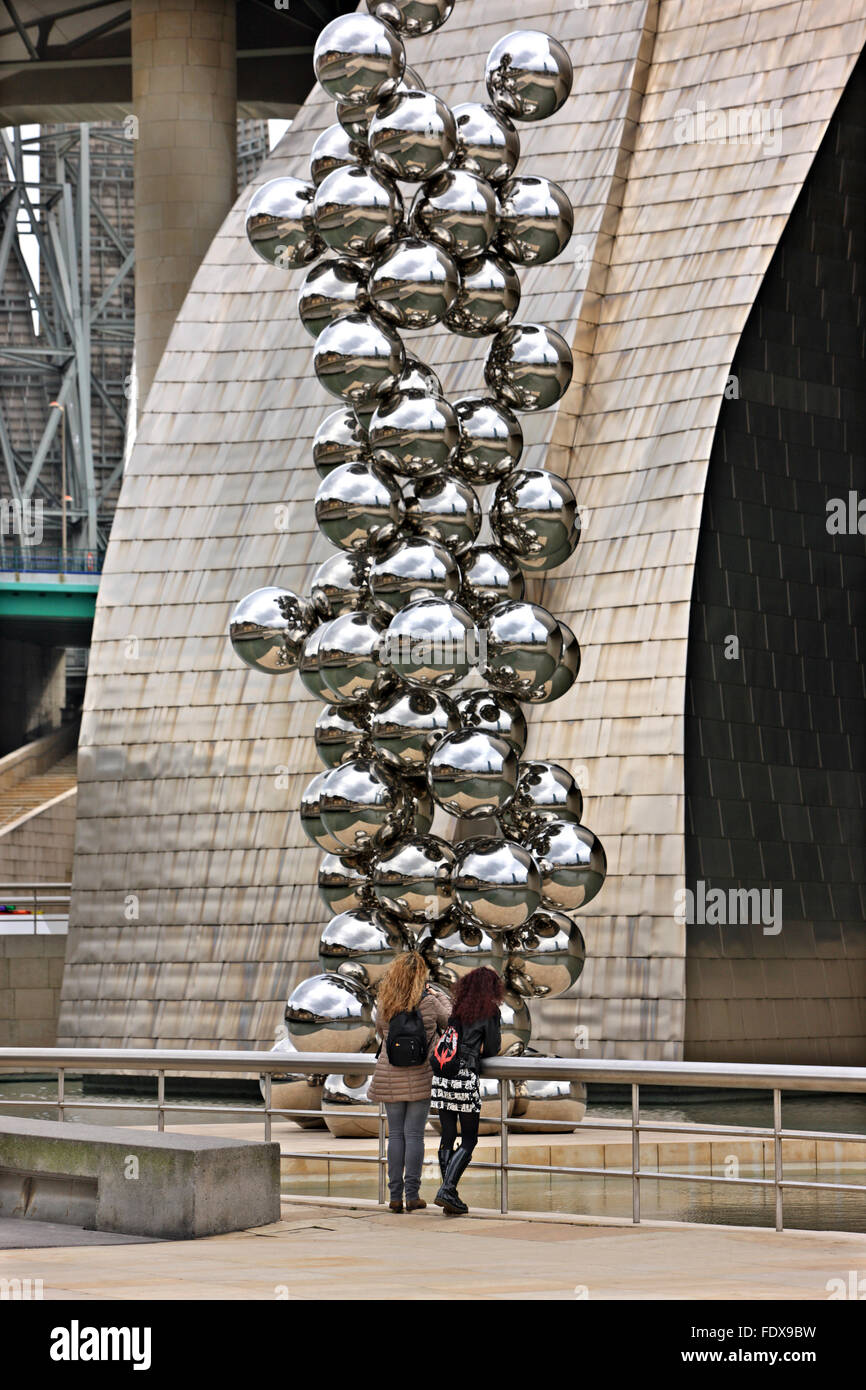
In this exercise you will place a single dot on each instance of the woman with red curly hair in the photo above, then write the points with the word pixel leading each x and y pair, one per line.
pixel 475 1018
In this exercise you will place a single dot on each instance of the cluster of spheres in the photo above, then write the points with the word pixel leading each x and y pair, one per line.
pixel 418 637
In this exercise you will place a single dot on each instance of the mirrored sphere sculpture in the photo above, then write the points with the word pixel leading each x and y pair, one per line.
pixel 529 366
pixel 496 882
pixel 347 1109
pixel 358 357
pixel 545 957
pixel 487 143
pixel 487 297
pixel 529 75
pixel 293 1090
pixel 342 732
pixel 349 655
pixel 355 116
pixel 412 18
pixel 572 862
pixel 268 629
pixel 328 1013
pixel 413 433
pixel 332 288
pixel 493 713
pixel 490 576
pixel 308 666
pixel 340 584
pixel 413 284
pixel 358 506
pixel 524 647
pixel 334 149
pixel 457 210
pixel 545 791
pixel 491 439
pixel 534 515
pixel 421 806
pixel 407 727
pixel 472 774
pixel 412 880
pixel 344 883
pixel 417 376
pixel 536 220
pixel 566 672
pixel 516 1025
pixel 455 945
pixel 357 210
pixel 361 807
pixel 310 814
pixel 280 223
pixel 411 569
pixel 357 58
pixel 431 641
pixel 445 508
pixel 339 439
pixel 360 945
pixel 413 136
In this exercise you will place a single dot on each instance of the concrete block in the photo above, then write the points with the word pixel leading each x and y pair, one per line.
pixel 27 974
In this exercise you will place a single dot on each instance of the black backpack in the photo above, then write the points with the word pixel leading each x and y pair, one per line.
pixel 445 1058
pixel 406 1043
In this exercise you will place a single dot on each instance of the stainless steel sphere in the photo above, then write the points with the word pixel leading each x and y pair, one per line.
pixel 559 1100
pixel 516 1025
pixel 413 136
pixel 524 648
pixel 343 732
pixel 408 726
pixel 328 1013
pixel 545 792
pixel 310 814
pixel 362 807
pixel 308 666
pixel 357 58
pixel 340 584
pixel 412 17
pixel 413 434
pixel 358 506
pixel 334 149
pixel 472 774
pixel 413 568
pixel 444 508
pixel 572 863
pixel 355 116
pixel 357 210
pixel 458 211
pixel 413 880
pixel 487 297
pixel 536 220
pixel 545 957
pixel 529 366
pixel 360 945
pixel 280 223
pixel 491 713
pixel 340 438
pixel 344 883
pixel 528 75
pixel 491 439
pixel 349 659
pixel 358 357
pixel 566 672
pixel 293 1090
pixel 332 288
pixel 421 809
pixel 417 376
pixel 413 284
pixel 455 946
pixel 431 641
pixel 534 516
pixel 487 143
pixel 347 1109
pixel 268 629
pixel 490 576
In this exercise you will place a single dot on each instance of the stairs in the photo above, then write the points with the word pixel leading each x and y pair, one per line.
pixel 32 792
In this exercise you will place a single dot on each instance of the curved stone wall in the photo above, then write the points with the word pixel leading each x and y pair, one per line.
pixel 194 906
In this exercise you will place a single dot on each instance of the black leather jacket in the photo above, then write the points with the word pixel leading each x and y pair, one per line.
pixel 483 1038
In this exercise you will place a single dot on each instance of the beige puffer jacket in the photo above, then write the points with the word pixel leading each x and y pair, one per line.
pixel 410 1083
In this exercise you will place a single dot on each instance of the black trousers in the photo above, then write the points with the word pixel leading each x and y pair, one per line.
pixel 468 1129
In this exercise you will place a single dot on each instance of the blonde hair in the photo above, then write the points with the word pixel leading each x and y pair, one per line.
pixel 402 986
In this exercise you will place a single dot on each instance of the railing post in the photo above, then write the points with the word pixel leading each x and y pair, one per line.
pixel 35 905
pixel 503 1146
pixel 381 1163
pixel 61 1086
pixel 777 1159
pixel 635 1154
pixel 268 1080
pixel 160 1102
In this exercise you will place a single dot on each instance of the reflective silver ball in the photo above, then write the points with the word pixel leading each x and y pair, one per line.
pixel 487 297
pixel 355 116
pixel 413 880
pixel 361 806
pixel 431 641
pixel 280 223
pixel 536 220
pixel 408 726
pixel 340 584
pixel 496 882
pixel 349 655
pixel 343 732
pixel 344 883
pixel 528 75
pixel 347 1109
pixel 359 506
pixel 493 714
pixel 545 957
pixel 413 568
pixel 417 376
pixel 455 946
pixel 491 439
pixel 490 576
pixel 458 211
pixel 358 357
pixel 421 808
pixel 360 945
pixel 472 774
pixel 334 149
pixel 534 515
pixel 545 792
pixel 413 284
pixel 293 1090
pixel 268 629
pixel 572 862
pixel 444 508
pixel 357 58
pixel 328 1013
pixel 310 815
pixel 566 672
pixel 413 136
pixel 340 438
pixel 412 17
pixel 529 366
pixel 332 288
pixel 524 648
pixel 516 1025
pixel 308 666
pixel 413 434
pixel 357 211
pixel 487 143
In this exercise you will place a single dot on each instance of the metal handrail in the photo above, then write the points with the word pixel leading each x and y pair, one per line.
pixel 773 1078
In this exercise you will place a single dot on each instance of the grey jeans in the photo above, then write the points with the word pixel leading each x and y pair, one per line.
pixel 406 1121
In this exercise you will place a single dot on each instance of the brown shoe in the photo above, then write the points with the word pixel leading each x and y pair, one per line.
pixel 395 1206
pixel 417 1204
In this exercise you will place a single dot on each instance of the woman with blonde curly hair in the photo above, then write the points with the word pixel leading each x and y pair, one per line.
pixel 408 1015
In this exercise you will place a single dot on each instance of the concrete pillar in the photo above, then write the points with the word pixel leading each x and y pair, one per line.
pixel 185 101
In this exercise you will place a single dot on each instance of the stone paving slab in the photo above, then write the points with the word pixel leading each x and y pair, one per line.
pixel 18 1233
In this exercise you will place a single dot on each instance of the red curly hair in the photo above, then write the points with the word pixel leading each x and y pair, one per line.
pixel 477 995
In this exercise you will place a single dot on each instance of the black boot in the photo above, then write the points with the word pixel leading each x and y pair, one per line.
pixel 445 1154
pixel 447 1195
